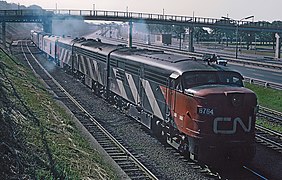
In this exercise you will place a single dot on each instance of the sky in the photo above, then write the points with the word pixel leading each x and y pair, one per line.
pixel 262 10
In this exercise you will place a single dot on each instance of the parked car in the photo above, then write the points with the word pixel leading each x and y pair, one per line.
pixel 221 61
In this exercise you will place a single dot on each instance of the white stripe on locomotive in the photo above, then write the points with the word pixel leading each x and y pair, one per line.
pixel 133 88
pixel 65 56
pixel 68 58
pixel 80 63
pixel 97 73
pixel 152 99
pixel 120 85
pixel 90 68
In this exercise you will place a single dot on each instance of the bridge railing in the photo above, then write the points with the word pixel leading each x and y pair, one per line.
pixel 160 17
pixel 141 16
pixel 24 12
pixel 122 14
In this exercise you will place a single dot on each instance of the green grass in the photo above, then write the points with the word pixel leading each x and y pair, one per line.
pixel 267 97
pixel 269 125
pixel 51 135
pixel 231 48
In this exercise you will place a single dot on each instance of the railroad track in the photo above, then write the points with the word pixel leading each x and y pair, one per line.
pixel 112 146
pixel 271 115
pixel 127 161
pixel 270 138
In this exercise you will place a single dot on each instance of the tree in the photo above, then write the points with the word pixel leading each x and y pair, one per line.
pixel 218 33
pixel 201 34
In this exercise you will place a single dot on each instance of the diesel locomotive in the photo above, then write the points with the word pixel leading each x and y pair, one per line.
pixel 200 108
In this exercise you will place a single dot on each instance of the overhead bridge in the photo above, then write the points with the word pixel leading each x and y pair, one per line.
pixel 30 15
pixel 47 16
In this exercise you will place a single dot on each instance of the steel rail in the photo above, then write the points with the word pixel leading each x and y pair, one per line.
pixel 255 173
pixel 270 114
pixel 269 131
pixel 138 163
pixel 267 140
pixel 270 111
pixel 270 118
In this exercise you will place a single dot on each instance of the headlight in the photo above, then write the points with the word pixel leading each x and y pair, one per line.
pixel 237 100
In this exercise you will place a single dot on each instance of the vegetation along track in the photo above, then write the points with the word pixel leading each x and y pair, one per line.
pixel 127 161
pixel 121 157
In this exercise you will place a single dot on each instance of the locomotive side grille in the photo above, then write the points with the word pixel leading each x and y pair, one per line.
pixel 156 77
pixel 132 69
pixel 113 63
pixel 120 74
pixel 93 55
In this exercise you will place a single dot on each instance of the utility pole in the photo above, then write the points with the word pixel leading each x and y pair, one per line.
pixel 237 30
pixel 93 9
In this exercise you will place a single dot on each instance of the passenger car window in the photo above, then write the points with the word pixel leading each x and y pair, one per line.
pixel 178 85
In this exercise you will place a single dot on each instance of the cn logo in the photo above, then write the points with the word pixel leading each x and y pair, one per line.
pixel 236 121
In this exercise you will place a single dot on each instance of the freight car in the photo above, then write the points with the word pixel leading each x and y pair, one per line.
pixel 199 108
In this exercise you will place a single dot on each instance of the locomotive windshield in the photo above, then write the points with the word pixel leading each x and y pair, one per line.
pixel 192 79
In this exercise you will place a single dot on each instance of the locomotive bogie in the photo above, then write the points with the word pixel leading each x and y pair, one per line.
pixel 225 152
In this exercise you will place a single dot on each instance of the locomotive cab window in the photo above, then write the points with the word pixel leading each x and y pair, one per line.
pixel 178 85
pixel 231 78
pixel 193 79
